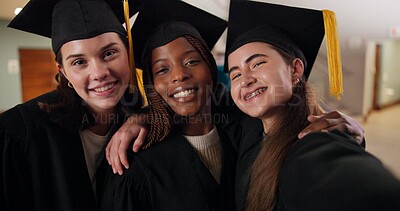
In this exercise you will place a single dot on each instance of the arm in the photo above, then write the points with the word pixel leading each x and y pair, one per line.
pixel 116 150
pixel 335 120
pixel 15 192
pixel 129 191
pixel 334 173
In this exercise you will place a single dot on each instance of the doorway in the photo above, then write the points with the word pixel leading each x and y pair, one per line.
pixel 38 71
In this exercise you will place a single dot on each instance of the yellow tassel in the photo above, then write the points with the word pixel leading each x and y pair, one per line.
pixel 135 76
pixel 333 52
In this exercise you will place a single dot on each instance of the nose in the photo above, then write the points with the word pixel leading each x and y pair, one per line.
pixel 99 70
pixel 247 80
pixel 180 74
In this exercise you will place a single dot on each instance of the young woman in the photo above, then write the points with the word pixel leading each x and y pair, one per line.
pixel 50 147
pixel 267 63
pixel 194 167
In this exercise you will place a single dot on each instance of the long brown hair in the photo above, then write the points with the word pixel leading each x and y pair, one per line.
pixel 281 136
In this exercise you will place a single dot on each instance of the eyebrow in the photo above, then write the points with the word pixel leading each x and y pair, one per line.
pixel 247 61
pixel 101 49
pixel 185 53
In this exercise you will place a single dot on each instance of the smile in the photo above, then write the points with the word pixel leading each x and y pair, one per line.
pixel 104 88
pixel 184 93
pixel 255 93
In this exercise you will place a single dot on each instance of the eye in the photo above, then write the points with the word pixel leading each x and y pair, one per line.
pixel 235 76
pixel 160 71
pixel 259 64
pixel 108 54
pixel 192 62
pixel 78 62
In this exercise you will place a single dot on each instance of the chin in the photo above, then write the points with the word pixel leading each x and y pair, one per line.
pixel 255 111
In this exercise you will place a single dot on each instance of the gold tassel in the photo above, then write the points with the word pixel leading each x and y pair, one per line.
pixel 135 76
pixel 333 52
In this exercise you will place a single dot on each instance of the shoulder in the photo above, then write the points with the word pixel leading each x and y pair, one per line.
pixel 162 155
pixel 324 144
pixel 21 115
pixel 330 170
pixel 31 107
pixel 129 191
pixel 16 122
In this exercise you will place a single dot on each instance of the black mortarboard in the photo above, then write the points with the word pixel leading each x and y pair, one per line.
pixel 298 31
pixel 161 21
pixel 67 20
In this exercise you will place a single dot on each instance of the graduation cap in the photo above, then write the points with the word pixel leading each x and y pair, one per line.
pixel 298 31
pixel 67 20
pixel 161 21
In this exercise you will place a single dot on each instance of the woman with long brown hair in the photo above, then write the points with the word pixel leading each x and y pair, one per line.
pixel 270 53
pixel 51 146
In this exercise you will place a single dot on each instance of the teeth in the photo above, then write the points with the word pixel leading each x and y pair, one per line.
pixel 104 88
pixel 255 93
pixel 183 93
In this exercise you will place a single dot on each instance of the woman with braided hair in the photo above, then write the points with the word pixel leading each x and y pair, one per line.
pixel 193 168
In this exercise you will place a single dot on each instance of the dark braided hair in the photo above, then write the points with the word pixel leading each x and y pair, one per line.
pixel 160 113
pixel 205 53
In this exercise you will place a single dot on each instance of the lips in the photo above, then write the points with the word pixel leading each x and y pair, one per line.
pixel 104 88
pixel 255 93
pixel 183 93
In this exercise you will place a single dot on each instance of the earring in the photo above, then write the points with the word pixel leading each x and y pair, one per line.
pixel 70 85
pixel 295 82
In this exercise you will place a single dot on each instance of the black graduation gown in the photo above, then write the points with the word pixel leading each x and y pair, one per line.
pixel 42 165
pixel 330 171
pixel 171 176
pixel 246 134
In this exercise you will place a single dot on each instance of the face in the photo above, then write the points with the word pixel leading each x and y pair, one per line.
pixel 261 80
pixel 182 77
pixel 98 70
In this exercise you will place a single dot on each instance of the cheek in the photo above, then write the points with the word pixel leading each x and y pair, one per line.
pixel 77 80
pixel 124 70
pixel 160 88
pixel 235 92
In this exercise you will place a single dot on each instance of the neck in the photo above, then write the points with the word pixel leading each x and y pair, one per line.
pixel 270 118
pixel 197 124
pixel 103 122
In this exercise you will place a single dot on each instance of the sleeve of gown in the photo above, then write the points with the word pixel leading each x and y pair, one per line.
pixel 328 171
pixel 131 191
pixel 13 186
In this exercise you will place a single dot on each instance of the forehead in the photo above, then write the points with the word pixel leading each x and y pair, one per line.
pixel 254 46
pixel 90 43
pixel 176 46
pixel 247 49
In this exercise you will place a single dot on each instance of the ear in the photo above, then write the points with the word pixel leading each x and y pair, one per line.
pixel 298 68
pixel 61 69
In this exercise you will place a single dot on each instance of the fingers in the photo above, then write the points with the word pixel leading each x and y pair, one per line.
pixel 137 145
pixel 122 152
pixel 324 122
pixel 114 156
pixel 319 124
pixel 116 150
pixel 334 120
